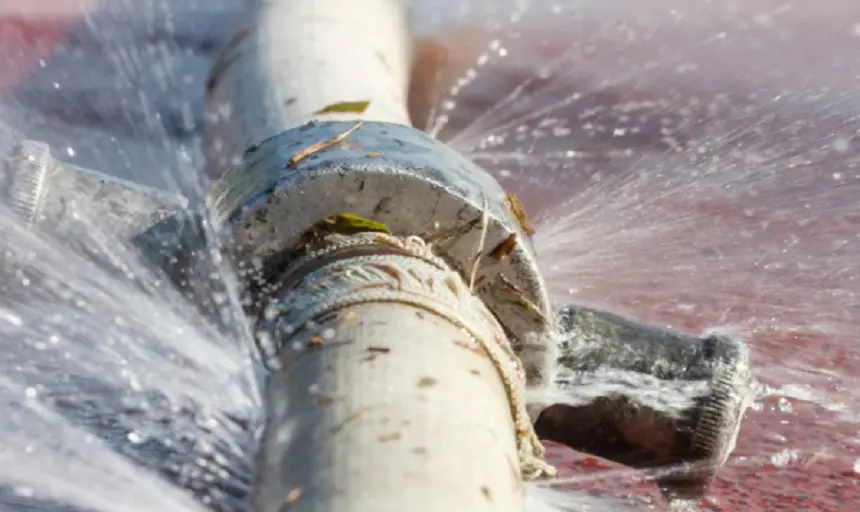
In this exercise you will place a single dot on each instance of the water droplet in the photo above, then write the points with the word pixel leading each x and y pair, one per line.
pixel 762 19
pixel 783 405
pixel 134 437
pixel 11 318
pixel 208 422
pixel 841 145
pixel 264 341
pixel 783 457
pixel 683 506
pixel 271 312
pixel 30 392
pixel 25 491
pixel 70 151
pixel 225 110
pixel 778 438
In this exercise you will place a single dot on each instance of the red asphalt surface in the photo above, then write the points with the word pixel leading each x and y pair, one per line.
pixel 821 477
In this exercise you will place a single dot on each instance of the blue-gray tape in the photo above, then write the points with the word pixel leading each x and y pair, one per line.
pixel 410 182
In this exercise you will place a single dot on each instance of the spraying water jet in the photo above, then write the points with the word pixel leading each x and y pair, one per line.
pixel 393 287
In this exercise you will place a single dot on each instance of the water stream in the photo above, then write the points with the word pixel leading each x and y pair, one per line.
pixel 687 163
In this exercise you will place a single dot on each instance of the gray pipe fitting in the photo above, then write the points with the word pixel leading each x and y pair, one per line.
pixel 650 398
pixel 411 183
pixel 43 192
pixel 69 203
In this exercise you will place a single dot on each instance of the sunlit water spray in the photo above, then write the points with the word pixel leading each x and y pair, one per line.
pixel 663 186
pixel 683 176
pixel 112 381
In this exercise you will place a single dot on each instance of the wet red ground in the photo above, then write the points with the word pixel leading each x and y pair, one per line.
pixel 29 32
pixel 725 207
pixel 773 250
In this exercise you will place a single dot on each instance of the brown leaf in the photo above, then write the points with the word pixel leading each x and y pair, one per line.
pixel 519 213
pixel 503 249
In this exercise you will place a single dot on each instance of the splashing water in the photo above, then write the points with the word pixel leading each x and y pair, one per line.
pixel 108 371
pixel 117 394
pixel 691 164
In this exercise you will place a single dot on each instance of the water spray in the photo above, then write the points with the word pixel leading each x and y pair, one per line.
pixel 414 355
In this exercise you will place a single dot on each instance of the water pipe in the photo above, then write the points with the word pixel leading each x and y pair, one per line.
pixel 393 287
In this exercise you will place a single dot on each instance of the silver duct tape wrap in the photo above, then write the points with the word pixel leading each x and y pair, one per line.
pixel 414 277
pixel 411 183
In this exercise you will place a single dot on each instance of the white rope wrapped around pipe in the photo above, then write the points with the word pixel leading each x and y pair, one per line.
pixel 393 387
pixel 393 399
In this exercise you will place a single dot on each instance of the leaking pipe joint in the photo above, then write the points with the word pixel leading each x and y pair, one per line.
pixel 411 186
pixel 400 341
pixel 635 394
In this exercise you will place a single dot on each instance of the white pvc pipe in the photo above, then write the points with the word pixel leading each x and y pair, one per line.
pixel 393 398
pixel 291 58
pixel 396 411
pixel 409 414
